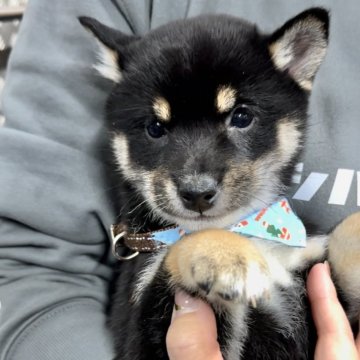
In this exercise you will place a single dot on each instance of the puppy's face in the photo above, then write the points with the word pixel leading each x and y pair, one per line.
pixel 208 115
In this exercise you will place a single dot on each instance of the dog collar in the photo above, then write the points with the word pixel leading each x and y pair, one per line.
pixel 278 223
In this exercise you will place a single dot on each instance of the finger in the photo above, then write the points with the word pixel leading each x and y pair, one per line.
pixel 192 334
pixel 335 338
pixel 328 314
pixel 357 342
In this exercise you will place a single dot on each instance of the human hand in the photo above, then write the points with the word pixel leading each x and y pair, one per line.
pixel 186 338
pixel 192 334
pixel 335 338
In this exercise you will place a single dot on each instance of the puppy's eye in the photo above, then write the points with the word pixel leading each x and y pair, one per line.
pixel 156 129
pixel 241 117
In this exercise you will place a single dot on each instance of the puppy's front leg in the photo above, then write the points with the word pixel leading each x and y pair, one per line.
pixel 219 265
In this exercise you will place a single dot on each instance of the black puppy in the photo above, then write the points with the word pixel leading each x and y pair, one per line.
pixel 208 119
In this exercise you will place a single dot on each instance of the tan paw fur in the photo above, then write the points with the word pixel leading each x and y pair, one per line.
pixel 344 258
pixel 220 265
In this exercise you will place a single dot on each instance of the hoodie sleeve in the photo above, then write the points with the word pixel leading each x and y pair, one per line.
pixel 55 207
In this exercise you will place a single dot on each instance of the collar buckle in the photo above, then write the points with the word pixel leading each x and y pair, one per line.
pixel 118 234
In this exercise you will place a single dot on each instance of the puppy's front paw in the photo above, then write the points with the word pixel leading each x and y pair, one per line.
pixel 219 265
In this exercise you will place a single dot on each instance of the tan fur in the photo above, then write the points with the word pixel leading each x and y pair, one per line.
pixel 131 172
pixel 344 258
pixel 227 263
pixel 288 137
pixel 225 98
pixel 162 109
pixel 240 174
pixel 283 54
pixel 108 66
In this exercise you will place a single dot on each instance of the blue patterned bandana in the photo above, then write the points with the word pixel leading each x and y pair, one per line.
pixel 278 223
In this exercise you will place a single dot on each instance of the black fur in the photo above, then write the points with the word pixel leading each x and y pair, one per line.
pixel 140 330
pixel 185 62
pixel 200 54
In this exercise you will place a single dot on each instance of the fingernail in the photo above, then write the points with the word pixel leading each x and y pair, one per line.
pixel 329 286
pixel 184 303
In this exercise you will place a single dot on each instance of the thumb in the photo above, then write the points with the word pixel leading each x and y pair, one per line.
pixel 192 334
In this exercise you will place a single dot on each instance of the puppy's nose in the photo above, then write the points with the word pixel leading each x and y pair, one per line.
pixel 198 201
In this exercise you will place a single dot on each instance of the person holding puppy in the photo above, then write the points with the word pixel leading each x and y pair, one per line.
pixel 55 264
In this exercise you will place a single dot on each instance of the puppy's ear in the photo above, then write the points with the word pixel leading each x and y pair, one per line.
pixel 299 46
pixel 112 44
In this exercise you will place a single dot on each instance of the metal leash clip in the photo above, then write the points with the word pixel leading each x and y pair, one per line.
pixel 117 241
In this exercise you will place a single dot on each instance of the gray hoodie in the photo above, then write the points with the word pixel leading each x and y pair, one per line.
pixel 55 206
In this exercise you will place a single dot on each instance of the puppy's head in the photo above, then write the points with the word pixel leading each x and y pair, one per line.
pixel 208 115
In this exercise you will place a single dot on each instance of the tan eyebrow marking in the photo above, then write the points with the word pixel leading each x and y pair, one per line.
pixel 162 109
pixel 225 98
